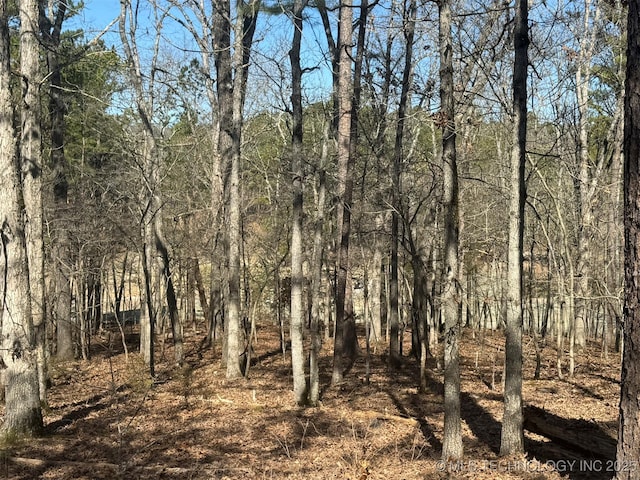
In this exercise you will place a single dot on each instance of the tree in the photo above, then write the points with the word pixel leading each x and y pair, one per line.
pixel 452 443
pixel 32 170
pixel 297 278
pixel 629 429
pixel 345 186
pixel 20 376
pixel 232 64
pixel 317 279
pixel 155 250
pixel 399 154
pixel 588 177
pixel 512 440
pixel 206 27
pixel 51 29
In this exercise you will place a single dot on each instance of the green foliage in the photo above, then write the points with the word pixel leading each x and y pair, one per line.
pixel 89 82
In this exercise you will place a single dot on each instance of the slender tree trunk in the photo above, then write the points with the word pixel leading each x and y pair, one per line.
pixel 224 75
pixel 375 291
pixel 23 413
pixel 421 296
pixel 319 294
pixel 202 296
pixel 512 440
pixel 393 315
pixel 297 279
pixel 351 346
pixel 316 285
pixel 587 175
pixel 398 160
pixel 31 161
pixel 238 68
pixel 170 293
pixel 147 309
pixel 61 242
pixel 151 196
pixel 345 95
pixel 452 443
pixel 629 430
pixel 232 319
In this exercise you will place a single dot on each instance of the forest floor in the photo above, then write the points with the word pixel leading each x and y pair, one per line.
pixel 106 420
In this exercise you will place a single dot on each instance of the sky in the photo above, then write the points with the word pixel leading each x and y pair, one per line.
pixel 95 16
pixel 272 43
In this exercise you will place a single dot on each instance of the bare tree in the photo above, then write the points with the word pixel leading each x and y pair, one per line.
pixel 316 279
pixel 23 413
pixel 232 64
pixel 409 19
pixel 32 169
pixel 155 255
pixel 51 27
pixel 345 183
pixel 297 278
pixel 587 180
pixel 512 440
pixel 452 443
pixel 204 26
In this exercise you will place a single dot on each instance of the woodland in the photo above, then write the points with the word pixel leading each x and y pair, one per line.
pixel 320 239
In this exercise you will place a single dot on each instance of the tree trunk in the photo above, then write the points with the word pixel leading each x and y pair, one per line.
pixel 375 292
pixel 170 293
pixel 512 440
pixel 202 296
pixel 345 95
pixel 587 175
pixel 31 162
pixel 61 242
pixel 628 451
pixel 398 160
pixel 452 443
pixel 421 301
pixel 231 102
pixel 297 314
pixel 317 296
pixel 20 375
pixel 147 310
pixel 151 196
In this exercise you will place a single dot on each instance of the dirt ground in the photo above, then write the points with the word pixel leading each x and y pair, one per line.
pixel 106 420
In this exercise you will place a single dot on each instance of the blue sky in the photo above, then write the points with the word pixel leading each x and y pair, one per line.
pixel 270 50
pixel 268 79
pixel 96 15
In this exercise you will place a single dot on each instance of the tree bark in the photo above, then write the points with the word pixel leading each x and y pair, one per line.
pixel 170 294
pixel 317 296
pixel 345 185
pixel 61 241
pixel 452 443
pixel 297 278
pixel 375 290
pixel 31 161
pixel 233 69
pixel 398 160
pixel 319 289
pixel 151 221
pixel 512 439
pixel 23 413
pixel 628 451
